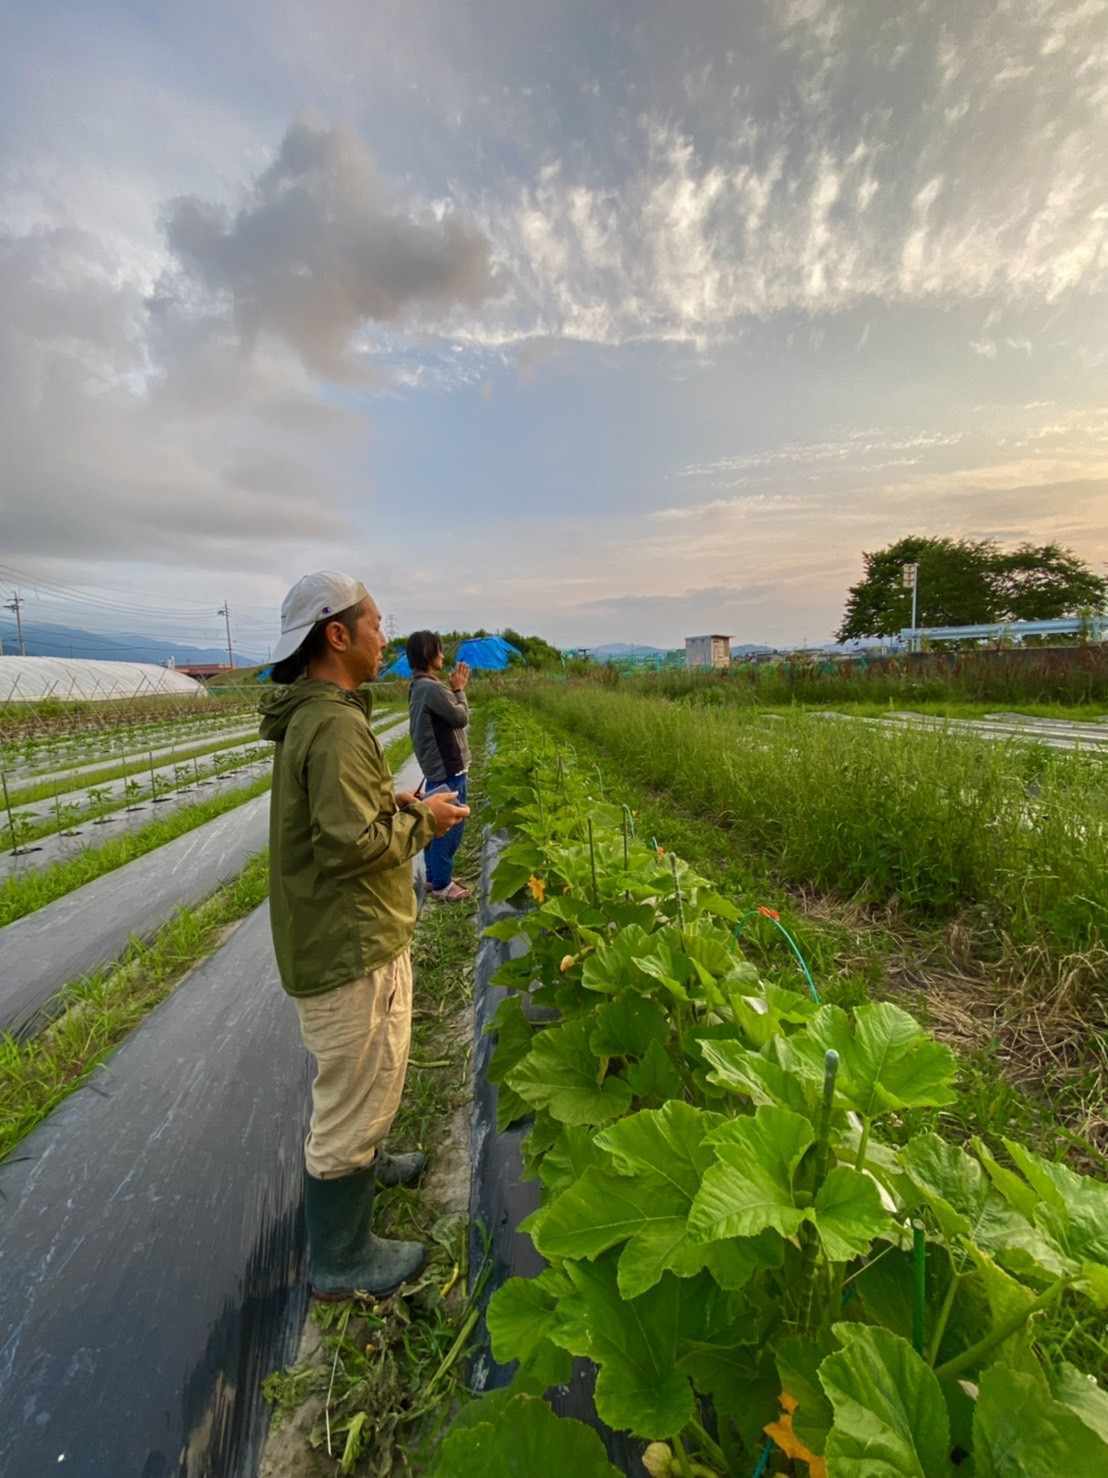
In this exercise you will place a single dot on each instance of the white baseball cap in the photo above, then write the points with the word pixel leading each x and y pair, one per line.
pixel 325 593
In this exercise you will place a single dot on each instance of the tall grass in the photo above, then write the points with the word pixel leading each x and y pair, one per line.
pixel 1072 676
pixel 936 822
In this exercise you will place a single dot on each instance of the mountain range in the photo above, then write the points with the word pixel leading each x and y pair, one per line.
pixel 42 639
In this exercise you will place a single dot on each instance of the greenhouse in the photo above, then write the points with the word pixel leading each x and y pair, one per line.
pixel 32 679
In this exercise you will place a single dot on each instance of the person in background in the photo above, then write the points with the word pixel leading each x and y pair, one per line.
pixel 343 912
pixel 438 715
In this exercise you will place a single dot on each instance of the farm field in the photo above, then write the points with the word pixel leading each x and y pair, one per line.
pixel 768 1102
pixel 661 1004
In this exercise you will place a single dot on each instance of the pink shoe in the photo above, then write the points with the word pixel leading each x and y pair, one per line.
pixel 452 893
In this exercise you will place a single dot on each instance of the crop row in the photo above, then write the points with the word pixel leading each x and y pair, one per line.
pixel 55 752
pixel 65 814
pixel 936 825
pixel 751 1222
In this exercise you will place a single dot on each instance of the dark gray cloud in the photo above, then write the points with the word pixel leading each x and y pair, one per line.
pixel 321 247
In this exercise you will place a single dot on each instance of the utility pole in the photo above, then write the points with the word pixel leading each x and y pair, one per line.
pixel 390 627
pixel 909 575
pixel 15 604
pixel 225 612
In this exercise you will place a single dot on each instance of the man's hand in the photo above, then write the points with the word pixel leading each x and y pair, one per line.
pixel 404 798
pixel 444 808
pixel 459 677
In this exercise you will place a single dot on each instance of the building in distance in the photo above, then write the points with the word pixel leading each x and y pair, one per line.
pixel 708 651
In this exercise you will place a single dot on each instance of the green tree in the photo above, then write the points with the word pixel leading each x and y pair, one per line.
pixel 956 587
pixel 966 582
pixel 1041 584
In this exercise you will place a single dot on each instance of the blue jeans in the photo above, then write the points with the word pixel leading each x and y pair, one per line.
pixel 438 854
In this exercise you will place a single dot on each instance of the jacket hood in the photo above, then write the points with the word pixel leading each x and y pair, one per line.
pixel 278 706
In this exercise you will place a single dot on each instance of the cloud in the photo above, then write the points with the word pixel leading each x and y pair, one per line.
pixel 322 247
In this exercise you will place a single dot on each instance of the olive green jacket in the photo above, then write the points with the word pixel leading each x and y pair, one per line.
pixel 341 899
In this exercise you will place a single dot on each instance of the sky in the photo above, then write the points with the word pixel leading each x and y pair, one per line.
pixel 615 322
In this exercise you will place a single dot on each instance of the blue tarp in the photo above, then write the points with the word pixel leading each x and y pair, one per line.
pixel 492 653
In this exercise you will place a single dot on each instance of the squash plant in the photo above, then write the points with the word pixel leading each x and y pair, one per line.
pixel 737 1233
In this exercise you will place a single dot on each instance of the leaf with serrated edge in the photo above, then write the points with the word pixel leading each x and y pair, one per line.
pixel 1020 1431
pixel 659 1155
pixel 848 1214
pixel 753 1076
pixel 559 1074
pixel 522 1438
pixel 1084 1396
pixel 890 1416
pixel 627 1028
pixel 886 1060
pixel 639 1387
pixel 520 1316
pixel 751 1188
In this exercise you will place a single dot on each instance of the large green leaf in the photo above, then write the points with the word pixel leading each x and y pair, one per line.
pixel 770 1012
pixel 890 1416
pixel 848 1214
pixel 655 1079
pixel 639 1387
pixel 754 1076
pixel 1007 1299
pixel 658 1158
pixel 522 1438
pixel 627 1027
pixel 798 1361
pixel 668 965
pixel 568 1157
pixel 560 1074
pixel 611 968
pixel 1083 1395
pixel 513 1034
pixel 521 1314
pixel 754 1188
pixel 1021 1431
pixel 886 1060
pixel 1073 1213
pixel 965 1204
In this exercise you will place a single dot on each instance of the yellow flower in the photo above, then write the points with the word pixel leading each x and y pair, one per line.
pixel 568 962
pixel 538 888
pixel 790 1444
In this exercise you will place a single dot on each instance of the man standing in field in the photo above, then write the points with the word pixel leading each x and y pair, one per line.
pixel 343 912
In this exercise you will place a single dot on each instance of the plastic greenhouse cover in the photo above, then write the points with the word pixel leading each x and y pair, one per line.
pixel 30 679
pixel 150 1264
pixel 58 944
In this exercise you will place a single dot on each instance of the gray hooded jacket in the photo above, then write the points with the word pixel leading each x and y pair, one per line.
pixel 438 717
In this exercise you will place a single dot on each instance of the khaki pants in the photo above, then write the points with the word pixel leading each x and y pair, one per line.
pixel 359 1035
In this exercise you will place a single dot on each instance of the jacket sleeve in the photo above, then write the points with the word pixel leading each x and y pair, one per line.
pixel 444 703
pixel 356 826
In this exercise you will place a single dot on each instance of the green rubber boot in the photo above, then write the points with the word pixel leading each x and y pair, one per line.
pixel 399 1169
pixel 344 1257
